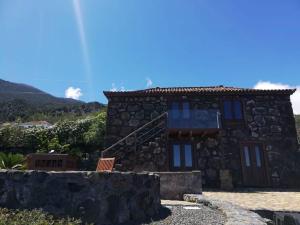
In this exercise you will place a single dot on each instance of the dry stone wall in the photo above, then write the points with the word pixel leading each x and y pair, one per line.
pixel 100 198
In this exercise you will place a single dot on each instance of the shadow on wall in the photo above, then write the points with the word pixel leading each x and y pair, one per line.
pixel 163 213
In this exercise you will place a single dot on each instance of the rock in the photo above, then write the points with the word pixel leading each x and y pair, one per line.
pixel 275 129
pixel 260 120
pixel 211 143
pixel 259 110
pixel 254 134
pixel 250 103
pixel 116 122
pixel 211 173
pixel 134 122
pixel 139 115
pixel 125 116
pixel 133 108
pixel 149 107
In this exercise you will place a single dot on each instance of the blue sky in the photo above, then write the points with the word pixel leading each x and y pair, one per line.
pixel 97 45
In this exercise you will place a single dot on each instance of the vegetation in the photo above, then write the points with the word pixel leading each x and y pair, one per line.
pixel 11 161
pixel 71 137
pixel 32 217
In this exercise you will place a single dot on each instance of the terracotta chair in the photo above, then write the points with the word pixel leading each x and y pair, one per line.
pixel 105 164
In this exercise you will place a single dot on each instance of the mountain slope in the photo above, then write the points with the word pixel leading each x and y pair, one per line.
pixel 11 91
pixel 24 102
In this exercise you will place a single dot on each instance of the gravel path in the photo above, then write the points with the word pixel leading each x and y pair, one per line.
pixel 188 215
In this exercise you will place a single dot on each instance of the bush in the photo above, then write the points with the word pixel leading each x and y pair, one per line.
pixel 33 217
pixel 71 137
pixel 11 161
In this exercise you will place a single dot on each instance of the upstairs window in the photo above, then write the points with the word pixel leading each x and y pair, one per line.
pixel 232 110
pixel 175 110
pixel 185 110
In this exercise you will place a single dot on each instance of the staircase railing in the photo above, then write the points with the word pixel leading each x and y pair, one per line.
pixel 150 131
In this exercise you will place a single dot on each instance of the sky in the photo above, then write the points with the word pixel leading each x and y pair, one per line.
pixel 78 49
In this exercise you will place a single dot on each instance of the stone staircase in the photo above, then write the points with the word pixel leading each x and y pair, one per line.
pixel 143 149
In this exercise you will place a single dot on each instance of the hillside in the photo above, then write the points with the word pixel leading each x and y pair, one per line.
pixel 25 103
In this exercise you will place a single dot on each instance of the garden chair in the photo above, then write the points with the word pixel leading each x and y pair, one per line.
pixel 105 164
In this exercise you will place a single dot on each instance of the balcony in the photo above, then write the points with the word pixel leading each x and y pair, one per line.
pixel 194 119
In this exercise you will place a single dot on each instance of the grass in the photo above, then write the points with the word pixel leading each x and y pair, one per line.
pixel 32 217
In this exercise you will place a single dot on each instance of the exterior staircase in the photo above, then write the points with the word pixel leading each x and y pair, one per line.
pixel 144 144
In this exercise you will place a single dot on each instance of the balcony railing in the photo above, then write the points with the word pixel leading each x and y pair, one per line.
pixel 194 119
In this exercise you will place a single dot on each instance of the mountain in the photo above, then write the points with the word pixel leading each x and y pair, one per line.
pixel 24 102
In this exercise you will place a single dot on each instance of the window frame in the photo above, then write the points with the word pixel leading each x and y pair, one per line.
pixel 183 166
pixel 233 121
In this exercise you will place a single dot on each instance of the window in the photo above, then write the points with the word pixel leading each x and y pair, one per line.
pixel 182 156
pixel 247 156
pixel 176 156
pixel 188 155
pixel 237 110
pixel 175 110
pixel 232 110
pixel 257 155
pixel 185 110
pixel 228 110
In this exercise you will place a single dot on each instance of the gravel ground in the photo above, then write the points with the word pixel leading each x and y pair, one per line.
pixel 196 214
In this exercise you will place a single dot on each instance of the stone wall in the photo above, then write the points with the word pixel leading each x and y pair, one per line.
pixel 268 119
pixel 126 114
pixel 173 185
pixel 102 198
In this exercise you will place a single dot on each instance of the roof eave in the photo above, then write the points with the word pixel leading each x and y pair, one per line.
pixel 245 92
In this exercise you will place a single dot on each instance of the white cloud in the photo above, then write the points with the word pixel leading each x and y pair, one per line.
pixel 148 82
pixel 113 87
pixel 73 93
pixel 295 98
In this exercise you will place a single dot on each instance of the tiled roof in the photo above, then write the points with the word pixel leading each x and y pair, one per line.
pixel 198 90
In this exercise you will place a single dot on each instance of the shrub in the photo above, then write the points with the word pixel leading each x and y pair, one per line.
pixel 11 161
pixel 32 217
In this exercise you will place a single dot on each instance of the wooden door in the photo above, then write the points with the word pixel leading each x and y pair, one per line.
pixel 254 165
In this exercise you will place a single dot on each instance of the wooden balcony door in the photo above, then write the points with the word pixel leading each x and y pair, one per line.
pixel 254 165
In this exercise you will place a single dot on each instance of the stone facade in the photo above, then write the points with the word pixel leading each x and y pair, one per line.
pixel 100 198
pixel 267 119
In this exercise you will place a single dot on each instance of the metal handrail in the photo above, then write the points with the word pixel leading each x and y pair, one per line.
pixel 134 132
pixel 157 132
pixel 153 128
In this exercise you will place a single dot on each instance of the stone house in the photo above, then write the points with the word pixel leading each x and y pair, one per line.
pixel 235 136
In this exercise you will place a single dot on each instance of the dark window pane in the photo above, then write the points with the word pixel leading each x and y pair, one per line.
pixel 175 110
pixel 257 154
pixel 176 156
pixel 186 110
pixel 188 155
pixel 227 110
pixel 238 110
pixel 247 156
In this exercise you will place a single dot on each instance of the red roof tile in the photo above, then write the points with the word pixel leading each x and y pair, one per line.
pixel 197 90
